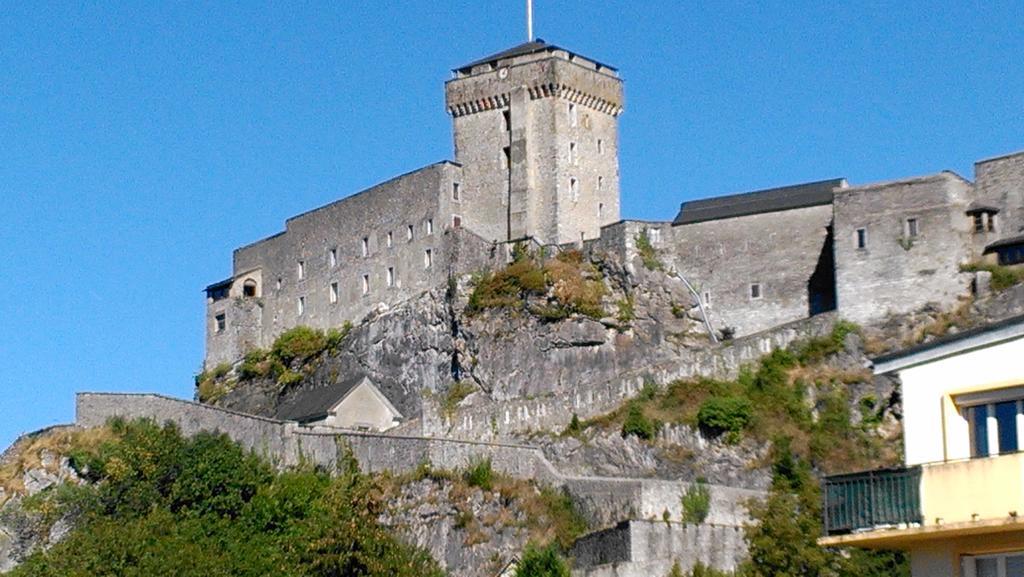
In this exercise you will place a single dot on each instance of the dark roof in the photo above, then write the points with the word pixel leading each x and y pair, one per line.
pixel 314 404
pixel 947 339
pixel 761 201
pixel 226 283
pixel 523 49
pixel 981 207
pixel 1005 242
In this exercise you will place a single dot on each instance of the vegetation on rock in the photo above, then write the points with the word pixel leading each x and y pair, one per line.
pixel 1003 277
pixel 648 254
pixel 696 503
pixel 552 290
pixel 159 504
pixel 542 562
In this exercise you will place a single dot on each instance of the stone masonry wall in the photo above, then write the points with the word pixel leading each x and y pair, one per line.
pixel 650 548
pixel 895 273
pixel 1000 182
pixel 604 500
pixel 778 251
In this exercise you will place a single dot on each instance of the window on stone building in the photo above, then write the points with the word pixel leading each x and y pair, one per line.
pixel 992 422
pixel 707 299
pixel 507 116
pixel 600 146
pixel 455 191
pixel 979 222
pixel 654 235
pixel 391 239
pixel 572 153
pixel 366 284
pixel 755 290
pixel 332 257
pixel 302 305
pixel 409 232
pixel 334 292
pixel 574 117
pixel 279 283
pixel 456 221
pixel 600 210
pixel 600 183
pixel 429 226
pixel 249 288
pixel 912 229
pixel 428 258
pixel 990 219
pixel 220 322
pixel 861 238
pixel 574 188
pixel 366 246
pixel 391 276
pixel 507 157
pixel 302 269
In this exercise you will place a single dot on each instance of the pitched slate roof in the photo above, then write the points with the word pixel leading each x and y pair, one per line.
pixel 757 202
pixel 1012 241
pixel 523 49
pixel 314 404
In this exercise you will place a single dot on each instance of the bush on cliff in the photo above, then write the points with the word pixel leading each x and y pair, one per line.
pixel 159 504
pixel 542 562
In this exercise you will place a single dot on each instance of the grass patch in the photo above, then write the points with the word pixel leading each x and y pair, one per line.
pixel 456 393
pixel 552 290
pixel 29 454
pixel 1003 277
pixel 648 254
pixel 480 474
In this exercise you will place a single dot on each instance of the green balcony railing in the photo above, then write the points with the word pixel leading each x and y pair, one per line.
pixel 872 499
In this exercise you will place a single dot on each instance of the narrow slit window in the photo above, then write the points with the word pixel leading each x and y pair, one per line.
pixel 574 117
pixel 366 284
pixel 332 257
pixel 600 183
pixel 861 238
pixel 707 299
pixel 507 116
pixel 572 153
pixel 428 258
pixel 456 193
pixel 366 246
pixel 456 221
pixel 409 232
pixel 574 188
pixel 991 221
pixel 334 292
pixel 391 239
pixel 391 276
pixel 755 291
pixel 302 305
pixel 507 157
pixel 600 146
pixel 429 226
pixel 912 227
pixel 600 210
pixel 302 269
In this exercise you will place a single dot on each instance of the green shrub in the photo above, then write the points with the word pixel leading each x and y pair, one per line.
pixel 298 343
pixel 817 349
pixel 480 474
pixel 626 313
pixel 725 415
pixel 336 336
pixel 637 423
pixel 648 254
pixel 1003 277
pixel 255 364
pixel 696 503
pixel 574 427
pixel 456 393
pixel 542 562
pixel 648 392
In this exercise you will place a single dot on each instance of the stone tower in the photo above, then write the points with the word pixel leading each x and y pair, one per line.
pixel 536 131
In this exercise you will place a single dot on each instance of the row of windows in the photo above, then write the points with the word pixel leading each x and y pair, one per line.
pixel 911 229
pixel 332 254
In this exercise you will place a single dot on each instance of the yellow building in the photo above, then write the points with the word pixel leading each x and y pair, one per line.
pixel 957 506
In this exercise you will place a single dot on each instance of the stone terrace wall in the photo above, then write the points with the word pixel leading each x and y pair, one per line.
pixel 605 500
pixel 486 420
pixel 649 548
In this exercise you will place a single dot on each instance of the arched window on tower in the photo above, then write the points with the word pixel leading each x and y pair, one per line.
pixel 249 288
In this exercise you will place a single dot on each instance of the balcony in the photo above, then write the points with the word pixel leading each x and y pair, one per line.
pixel 873 499
pixel 895 507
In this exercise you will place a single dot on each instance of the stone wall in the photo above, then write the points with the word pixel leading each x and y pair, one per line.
pixel 650 548
pixel 604 500
pixel 894 272
pixel 320 259
pixel 1000 182
pixel 480 419
pixel 778 251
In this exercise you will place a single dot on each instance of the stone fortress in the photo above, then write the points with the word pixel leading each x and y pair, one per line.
pixel 536 160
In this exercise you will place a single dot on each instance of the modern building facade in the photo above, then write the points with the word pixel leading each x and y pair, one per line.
pixel 957 506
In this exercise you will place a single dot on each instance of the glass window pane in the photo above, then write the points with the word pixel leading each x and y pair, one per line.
pixel 978 418
pixel 1015 566
pixel 1006 418
pixel 987 567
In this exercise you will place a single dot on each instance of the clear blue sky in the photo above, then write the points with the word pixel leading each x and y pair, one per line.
pixel 140 143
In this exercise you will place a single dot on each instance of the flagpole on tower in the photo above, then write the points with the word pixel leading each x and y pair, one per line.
pixel 529 20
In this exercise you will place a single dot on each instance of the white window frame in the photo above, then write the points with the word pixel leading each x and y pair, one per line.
pixel 220 323
pixel 428 226
pixel 391 239
pixel 332 257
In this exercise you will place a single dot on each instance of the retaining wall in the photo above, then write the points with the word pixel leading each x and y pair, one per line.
pixel 604 500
